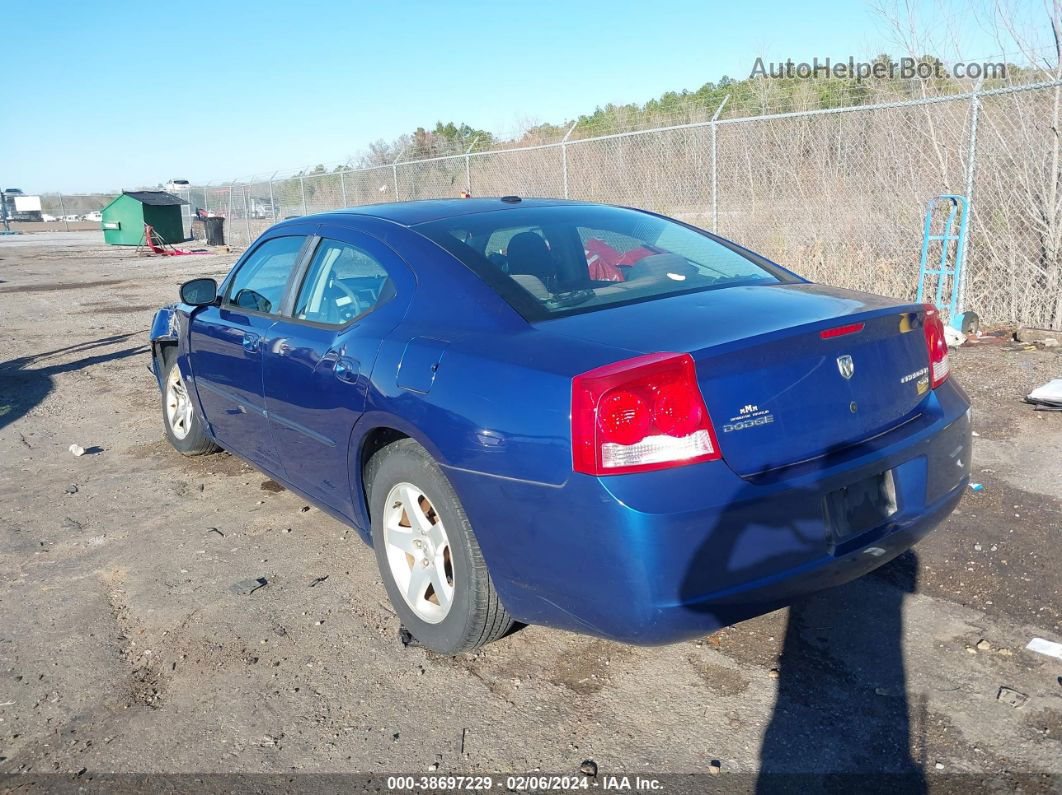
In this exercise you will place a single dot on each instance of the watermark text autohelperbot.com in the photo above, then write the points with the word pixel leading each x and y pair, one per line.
pixel 903 68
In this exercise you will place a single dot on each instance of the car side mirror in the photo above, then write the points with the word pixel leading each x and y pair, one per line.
pixel 199 292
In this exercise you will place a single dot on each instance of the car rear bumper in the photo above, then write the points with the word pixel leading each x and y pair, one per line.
pixel 662 556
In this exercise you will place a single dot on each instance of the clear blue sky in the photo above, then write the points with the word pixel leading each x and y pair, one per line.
pixel 101 96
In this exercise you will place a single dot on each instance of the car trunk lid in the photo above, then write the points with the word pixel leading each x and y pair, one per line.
pixel 789 372
pixel 798 396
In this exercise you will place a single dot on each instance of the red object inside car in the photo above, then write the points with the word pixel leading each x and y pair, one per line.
pixel 606 264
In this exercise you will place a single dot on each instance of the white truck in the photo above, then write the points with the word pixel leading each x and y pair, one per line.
pixel 21 207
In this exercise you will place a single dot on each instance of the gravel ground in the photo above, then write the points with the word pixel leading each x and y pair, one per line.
pixel 123 649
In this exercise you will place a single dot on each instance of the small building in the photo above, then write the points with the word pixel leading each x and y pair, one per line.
pixel 124 218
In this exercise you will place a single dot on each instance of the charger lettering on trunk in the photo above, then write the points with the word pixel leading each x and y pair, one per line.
pixel 922 382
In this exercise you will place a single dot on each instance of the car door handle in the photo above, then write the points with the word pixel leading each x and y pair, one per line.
pixel 346 369
pixel 250 341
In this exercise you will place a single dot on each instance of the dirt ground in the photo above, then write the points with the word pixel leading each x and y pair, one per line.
pixel 123 647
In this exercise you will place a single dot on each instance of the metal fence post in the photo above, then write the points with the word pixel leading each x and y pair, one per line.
pixel 62 209
pixel 564 156
pixel 186 209
pixel 272 202
pixel 246 216
pixel 302 191
pixel 971 161
pixel 715 169
pixel 394 170
pixel 343 188
pixel 468 166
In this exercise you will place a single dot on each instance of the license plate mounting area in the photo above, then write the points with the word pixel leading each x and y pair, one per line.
pixel 860 506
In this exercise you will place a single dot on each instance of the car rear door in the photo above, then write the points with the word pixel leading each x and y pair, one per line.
pixel 352 291
pixel 226 341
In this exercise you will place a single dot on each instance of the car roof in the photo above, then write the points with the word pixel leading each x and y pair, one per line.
pixel 419 212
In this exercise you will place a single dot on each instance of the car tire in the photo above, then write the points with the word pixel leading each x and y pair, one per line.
pixel 467 612
pixel 185 429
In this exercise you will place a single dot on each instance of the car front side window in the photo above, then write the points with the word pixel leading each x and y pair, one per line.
pixel 260 282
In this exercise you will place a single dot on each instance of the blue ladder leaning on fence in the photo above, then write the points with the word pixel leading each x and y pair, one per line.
pixel 958 208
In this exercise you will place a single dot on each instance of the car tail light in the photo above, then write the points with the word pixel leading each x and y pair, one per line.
pixel 639 415
pixel 937 345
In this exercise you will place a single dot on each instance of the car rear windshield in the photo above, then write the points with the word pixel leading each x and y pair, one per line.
pixel 563 259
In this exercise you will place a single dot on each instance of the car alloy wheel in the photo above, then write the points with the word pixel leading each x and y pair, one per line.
pixel 418 552
pixel 178 404
pixel 449 605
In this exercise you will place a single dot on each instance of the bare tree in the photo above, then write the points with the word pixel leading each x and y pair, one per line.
pixel 1030 140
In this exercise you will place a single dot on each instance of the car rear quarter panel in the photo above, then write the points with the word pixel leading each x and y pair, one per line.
pixel 500 405
pixel 497 410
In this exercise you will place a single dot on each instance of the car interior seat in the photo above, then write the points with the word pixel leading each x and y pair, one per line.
pixel 528 255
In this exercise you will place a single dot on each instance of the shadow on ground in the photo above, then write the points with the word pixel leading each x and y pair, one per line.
pixel 24 384
pixel 841 721
pixel 842 702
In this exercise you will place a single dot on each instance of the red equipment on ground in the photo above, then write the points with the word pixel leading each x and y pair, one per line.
pixel 153 241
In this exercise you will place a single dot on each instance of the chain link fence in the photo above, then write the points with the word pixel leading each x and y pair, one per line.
pixel 837 195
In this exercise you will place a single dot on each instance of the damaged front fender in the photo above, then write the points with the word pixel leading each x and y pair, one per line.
pixel 164 326
pixel 164 331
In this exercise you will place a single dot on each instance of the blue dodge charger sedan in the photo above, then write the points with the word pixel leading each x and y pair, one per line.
pixel 551 412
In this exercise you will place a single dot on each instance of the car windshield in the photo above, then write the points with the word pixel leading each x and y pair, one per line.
pixel 564 259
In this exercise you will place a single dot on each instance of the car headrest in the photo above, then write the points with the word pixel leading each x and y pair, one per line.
pixel 527 253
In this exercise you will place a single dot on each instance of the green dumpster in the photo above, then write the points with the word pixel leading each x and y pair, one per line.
pixel 124 218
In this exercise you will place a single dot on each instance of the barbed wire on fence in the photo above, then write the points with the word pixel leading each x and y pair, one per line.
pixel 836 194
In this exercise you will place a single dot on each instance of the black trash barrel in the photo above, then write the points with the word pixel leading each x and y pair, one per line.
pixel 215 231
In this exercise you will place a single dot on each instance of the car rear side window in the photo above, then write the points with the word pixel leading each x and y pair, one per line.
pixel 260 282
pixel 558 260
pixel 342 283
